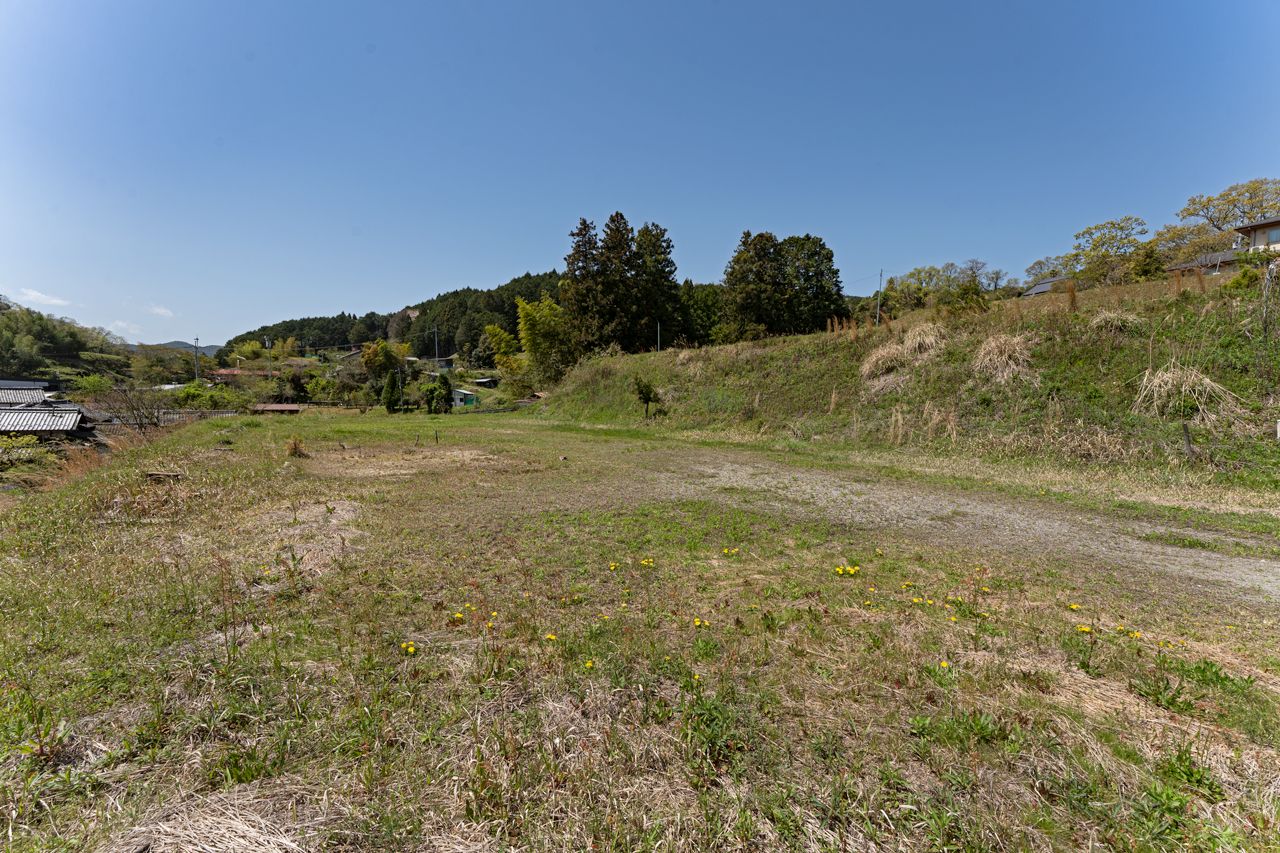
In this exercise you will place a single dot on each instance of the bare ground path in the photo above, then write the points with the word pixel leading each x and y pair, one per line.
pixel 986 520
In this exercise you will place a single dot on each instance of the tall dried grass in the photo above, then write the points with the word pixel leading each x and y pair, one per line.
pixel 1179 390
pixel 1115 322
pixel 1004 357
pixel 923 339
pixel 883 360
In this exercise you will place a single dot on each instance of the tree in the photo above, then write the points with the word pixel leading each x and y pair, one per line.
pixel 504 345
pixel 1047 267
pixel 754 290
pixel 545 339
pixel 1102 253
pixel 379 357
pixel 646 393
pixel 657 295
pixel 1145 263
pixel 619 285
pixel 358 333
pixel 391 392
pixel 812 282
pixel 1236 205
pixel 700 306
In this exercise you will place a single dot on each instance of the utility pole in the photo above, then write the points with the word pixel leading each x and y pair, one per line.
pixel 195 356
pixel 879 293
pixel 659 336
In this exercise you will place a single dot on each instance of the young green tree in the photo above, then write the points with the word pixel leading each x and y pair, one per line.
pixel 391 392
pixel 646 393
pixel 546 339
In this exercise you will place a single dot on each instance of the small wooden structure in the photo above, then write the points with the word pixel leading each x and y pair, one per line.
pixel 277 409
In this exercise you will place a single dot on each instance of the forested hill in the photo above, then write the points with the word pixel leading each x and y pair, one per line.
pixel 460 317
pixel 33 344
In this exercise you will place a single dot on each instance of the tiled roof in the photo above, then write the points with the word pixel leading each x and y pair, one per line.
pixel 17 396
pixel 38 420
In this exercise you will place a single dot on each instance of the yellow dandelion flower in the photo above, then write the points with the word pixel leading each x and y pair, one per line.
pixel 1075 606
pixel 1084 628
pixel 944 664
pixel 953 618
pixel 551 636
pixel 589 664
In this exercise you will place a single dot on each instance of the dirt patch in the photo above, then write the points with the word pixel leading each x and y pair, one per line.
pixel 1008 524
pixel 401 462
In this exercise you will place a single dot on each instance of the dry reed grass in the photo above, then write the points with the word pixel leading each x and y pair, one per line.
pixel 922 339
pixel 1115 322
pixel 1005 358
pixel 1178 389
pixel 883 360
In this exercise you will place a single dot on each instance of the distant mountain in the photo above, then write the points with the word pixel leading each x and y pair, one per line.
pixel 211 350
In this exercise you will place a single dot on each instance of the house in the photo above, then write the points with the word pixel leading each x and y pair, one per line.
pixel 1261 235
pixel 20 396
pixel 486 382
pixel 42 422
pixel 463 397
pixel 1212 262
pixel 1046 285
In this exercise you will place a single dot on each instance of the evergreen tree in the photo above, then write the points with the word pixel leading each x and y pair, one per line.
pixel 391 392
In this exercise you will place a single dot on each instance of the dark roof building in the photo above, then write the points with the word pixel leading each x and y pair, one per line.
pixel 1215 261
pixel 42 422
pixel 20 396
pixel 1044 286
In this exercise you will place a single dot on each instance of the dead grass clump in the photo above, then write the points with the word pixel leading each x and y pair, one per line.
pixel 1115 322
pixel 923 339
pixel 882 361
pixel 247 821
pixel 295 448
pixel 1005 357
pixel 1177 390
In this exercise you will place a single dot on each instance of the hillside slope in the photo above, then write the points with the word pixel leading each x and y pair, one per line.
pixel 1030 377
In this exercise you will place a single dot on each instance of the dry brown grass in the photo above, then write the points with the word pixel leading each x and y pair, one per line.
pixel 923 339
pixel 282 819
pixel 1004 358
pixel 1180 390
pixel 1115 322
pixel 883 360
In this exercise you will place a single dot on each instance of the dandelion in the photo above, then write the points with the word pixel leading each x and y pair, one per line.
pixel 985 589
pixel 944 664
pixel 551 636
pixel 696 677
pixel 490 625
pixel 879 552
pixel 1085 629
pixel 953 618
pixel 624 604
pixel 929 601
pixel 589 664
pixel 1136 635
pixel 1075 606
pixel 697 622
pixel 839 570
pixel 494 613
pixel 457 616
pixel 917 600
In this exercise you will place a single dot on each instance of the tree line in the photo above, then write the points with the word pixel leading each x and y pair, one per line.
pixel 1107 254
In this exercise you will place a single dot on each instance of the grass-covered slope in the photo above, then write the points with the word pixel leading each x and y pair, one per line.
pixel 1114 379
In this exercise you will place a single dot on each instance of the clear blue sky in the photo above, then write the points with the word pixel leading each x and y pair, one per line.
pixel 173 170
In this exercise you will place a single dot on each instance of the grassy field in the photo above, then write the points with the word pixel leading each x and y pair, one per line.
pixel 537 635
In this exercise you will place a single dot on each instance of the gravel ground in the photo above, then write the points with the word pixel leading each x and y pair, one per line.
pixel 986 520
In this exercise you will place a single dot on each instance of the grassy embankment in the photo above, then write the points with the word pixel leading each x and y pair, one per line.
pixel 539 636
pixel 1067 394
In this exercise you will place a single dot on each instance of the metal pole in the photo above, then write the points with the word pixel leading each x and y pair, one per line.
pixel 879 292
pixel 196 357
pixel 659 336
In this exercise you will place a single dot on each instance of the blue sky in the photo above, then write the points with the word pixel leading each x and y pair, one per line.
pixel 197 169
